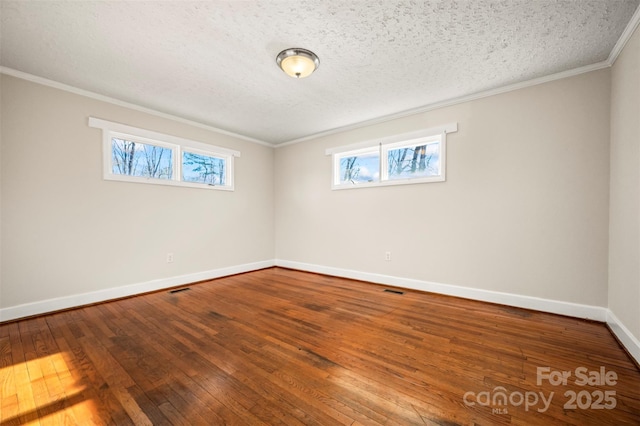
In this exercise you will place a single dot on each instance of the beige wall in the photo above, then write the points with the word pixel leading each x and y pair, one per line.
pixel 66 231
pixel 624 242
pixel 524 209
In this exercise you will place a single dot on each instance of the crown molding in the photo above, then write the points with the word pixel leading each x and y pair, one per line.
pixel 454 101
pixel 624 37
pixel 86 93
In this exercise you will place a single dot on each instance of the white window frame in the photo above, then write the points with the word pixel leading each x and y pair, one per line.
pixel 177 145
pixel 384 145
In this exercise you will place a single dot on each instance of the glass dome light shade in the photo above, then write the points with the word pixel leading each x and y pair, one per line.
pixel 298 63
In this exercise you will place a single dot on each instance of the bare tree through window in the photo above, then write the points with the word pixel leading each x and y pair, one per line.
pixel 138 159
pixel 420 160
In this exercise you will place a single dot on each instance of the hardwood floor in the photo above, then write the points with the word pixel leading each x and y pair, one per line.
pixel 285 347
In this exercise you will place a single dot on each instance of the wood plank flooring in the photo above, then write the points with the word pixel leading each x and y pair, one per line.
pixel 286 347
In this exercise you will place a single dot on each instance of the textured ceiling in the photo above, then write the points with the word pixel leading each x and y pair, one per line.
pixel 214 61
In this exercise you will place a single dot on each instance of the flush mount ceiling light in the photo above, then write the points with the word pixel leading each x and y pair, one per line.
pixel 298 63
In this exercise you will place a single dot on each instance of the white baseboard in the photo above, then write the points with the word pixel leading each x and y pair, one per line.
pixel 596 313
pixel 66 302
pixel 628 340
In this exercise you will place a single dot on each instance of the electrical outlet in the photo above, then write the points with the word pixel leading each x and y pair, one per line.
pixel 387 256
pixel 169 257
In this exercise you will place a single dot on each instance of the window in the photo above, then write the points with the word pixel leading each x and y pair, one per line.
pixel 203 168
pixel 416 157
pixel 132 158
pixel 359 166
pixel 138 155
